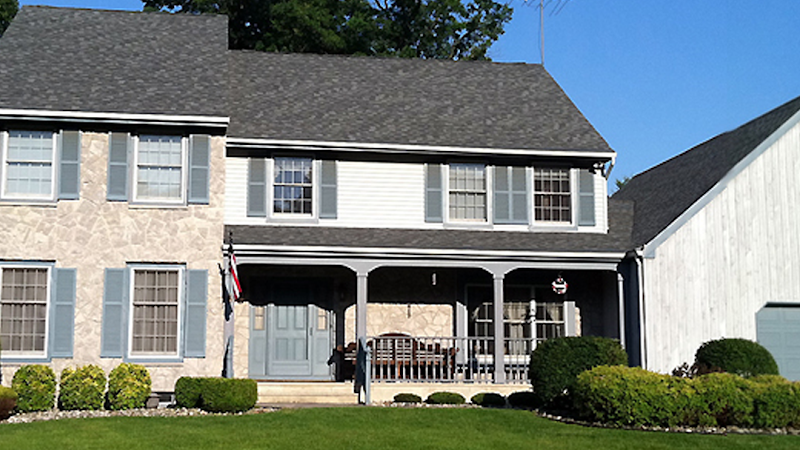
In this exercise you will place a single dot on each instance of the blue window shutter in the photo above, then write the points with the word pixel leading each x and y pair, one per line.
pixel 199 168
pixel 502 195
pixel 69 184
pixel 586 198
pixel 62 313
pixel 257 188
pixel 119 148
pixel 195 329
pixel 115 308
pixel 519 195
pixel 327 188
pixel 434 204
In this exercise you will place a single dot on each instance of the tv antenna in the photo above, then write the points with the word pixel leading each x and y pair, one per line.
pixel 558 6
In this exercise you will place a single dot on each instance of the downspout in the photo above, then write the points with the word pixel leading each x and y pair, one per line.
pixel 640 279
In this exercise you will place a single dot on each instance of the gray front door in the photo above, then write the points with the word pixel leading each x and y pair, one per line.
pixel 290 336
pixel 778 329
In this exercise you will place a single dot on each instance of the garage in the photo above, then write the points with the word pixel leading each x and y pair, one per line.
pixel 778 329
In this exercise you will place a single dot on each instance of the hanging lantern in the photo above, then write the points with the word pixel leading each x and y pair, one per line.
pixel 559 286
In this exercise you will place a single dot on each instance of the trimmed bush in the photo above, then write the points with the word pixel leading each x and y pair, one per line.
pixel 776 402
pixel 406 397
pixel 128 387
pixel 737 356
pixel 445 398
pixel 722 399
pixel 556 363
pixel 82 388
pixel 216 394
pixel 35 386
pixel 523 399
pixel 488 400
pixel 8 401
pixel 631 396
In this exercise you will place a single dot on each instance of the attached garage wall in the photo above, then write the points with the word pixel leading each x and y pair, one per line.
pixel 778 329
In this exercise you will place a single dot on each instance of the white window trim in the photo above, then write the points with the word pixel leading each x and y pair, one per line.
pixel 10 354
pixel 316 168
pixel 487 222
pixel 130 354
pixel 134 183
pixel 546 225
pixel 4 142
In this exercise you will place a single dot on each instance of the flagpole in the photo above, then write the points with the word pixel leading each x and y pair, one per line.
pixel 228 326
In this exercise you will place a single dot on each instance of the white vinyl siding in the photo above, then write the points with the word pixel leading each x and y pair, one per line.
pixel 159 163
pixel 29 165
pixel 24 295
pixel 740 251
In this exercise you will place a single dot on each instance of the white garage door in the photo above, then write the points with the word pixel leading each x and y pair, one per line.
pixel 778 329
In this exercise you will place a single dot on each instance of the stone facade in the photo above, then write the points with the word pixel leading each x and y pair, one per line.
pixel 92 234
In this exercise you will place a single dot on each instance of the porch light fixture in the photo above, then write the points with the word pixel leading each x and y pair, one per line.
pixel 559 285
pixel 433 279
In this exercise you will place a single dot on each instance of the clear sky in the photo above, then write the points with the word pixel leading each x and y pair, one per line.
pixel 654 77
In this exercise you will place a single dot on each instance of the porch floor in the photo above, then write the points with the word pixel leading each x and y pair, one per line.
pixel 341 393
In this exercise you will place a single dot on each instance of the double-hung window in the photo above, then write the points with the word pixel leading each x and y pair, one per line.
pixel 552 196
pixel 293 186
pixel 467 192
pixel 160 174
pixel 29 165
pixel 23 310
pixel 155 311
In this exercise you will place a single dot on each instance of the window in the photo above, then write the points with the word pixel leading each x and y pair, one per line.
pixel 467 192
pixel 550 321
pixel 293 186
pixel 160 162
pixel 23 310
pixel 155 311
pixel 516 318
pixel 552 199
pixel 29 165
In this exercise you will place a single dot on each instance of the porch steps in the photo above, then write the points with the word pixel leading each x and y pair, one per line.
pixel 273 392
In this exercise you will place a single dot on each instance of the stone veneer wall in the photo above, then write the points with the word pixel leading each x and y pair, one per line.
pixel 92 234
pixel 413 319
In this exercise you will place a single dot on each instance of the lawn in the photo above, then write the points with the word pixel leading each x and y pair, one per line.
pixel 357 428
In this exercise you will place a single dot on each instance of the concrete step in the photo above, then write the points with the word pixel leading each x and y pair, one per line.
pixel 306 392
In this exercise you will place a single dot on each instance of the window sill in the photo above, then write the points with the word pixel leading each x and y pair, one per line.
pixel 305 220
pixel 170 361
pixel 468 226
pixel 48 203
pixel 141 205
pixel 24 359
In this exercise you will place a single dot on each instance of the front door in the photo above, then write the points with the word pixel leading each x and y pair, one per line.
pixel 290 336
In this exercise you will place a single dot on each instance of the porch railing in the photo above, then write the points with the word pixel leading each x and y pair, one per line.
pixel 446 359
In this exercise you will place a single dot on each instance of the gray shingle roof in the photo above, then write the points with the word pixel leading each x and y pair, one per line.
pixel 114 61
pixel 617 239
pixel 664 192
pixel 404 101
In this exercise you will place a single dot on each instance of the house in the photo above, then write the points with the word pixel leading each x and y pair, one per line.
pixel 716 252
pixel 452 214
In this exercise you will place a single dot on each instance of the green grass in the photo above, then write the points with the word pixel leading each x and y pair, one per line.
pixel 358 428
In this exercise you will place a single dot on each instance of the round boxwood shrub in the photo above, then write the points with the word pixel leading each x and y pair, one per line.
pixel 445 398
pixel 737 356
pixel 128 386
pixel 35 386
pixel 82 388
pixel 523 399
pixel 488 400
pixel 228 394
pixel 406 397
pixel 8 401
pixel 556 363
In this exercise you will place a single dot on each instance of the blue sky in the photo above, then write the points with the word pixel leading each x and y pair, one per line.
pixel 654 77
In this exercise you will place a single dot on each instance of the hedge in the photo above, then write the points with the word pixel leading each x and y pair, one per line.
pixel 216 394
pixel 488 400
pixel 8 401
pixel 129 387
pixel 523 399
pixel 35 386
pixel 407 397
pixel 445 398
pixel 82 388
pixel 626 396
pixel 556 363
pixel 738 356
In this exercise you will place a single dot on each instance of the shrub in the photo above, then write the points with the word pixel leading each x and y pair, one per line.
pixel 128 386
pixel 524 399
pixel 776 402
pixel 556 363
pixel 445 398
pixel 738 356
pixel 216 394
pixel 489 400
pixel 406 397
pixel 631 396
pixel 721 399
pixel 8 401
pixel 82 388
pixel 35 386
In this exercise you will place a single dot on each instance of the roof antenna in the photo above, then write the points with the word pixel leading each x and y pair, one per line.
pixel 559 6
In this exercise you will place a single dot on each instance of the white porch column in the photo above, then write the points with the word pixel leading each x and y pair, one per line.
pixel 499 331
pixel 621 296
pixel 361 305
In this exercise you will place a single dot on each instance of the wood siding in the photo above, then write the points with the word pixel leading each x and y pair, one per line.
pixel 710 278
